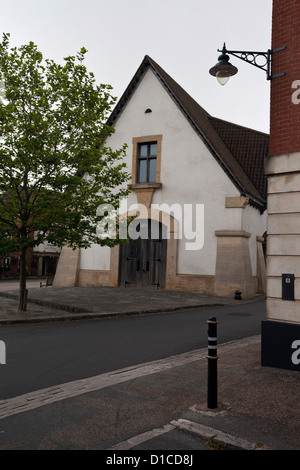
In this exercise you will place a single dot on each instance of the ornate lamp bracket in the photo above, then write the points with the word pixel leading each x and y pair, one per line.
pixel 262 60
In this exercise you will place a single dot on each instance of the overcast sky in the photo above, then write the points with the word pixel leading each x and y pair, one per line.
pixel 182 36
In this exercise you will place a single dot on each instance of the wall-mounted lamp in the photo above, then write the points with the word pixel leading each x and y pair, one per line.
pixel 223 70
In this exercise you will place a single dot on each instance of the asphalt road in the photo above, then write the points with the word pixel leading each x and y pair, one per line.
pixel 39 356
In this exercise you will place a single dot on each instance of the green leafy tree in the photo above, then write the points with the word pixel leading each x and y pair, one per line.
pixel 55 166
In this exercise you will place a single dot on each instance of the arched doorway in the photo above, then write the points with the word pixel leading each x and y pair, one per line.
pixel 143 259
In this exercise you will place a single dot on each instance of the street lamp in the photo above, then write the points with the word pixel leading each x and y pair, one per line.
pixel 223 70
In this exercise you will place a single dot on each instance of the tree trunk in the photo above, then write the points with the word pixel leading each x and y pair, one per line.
pixel 23 275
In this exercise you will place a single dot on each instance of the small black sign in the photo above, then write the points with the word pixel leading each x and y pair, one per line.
pixel 288 286
pixel 280 345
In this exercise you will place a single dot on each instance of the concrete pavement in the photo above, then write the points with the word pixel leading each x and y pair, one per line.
pixel 52 304
pixel 154 406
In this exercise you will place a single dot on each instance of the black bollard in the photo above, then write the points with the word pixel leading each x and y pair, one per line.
pixel 237 295
pixel 212 370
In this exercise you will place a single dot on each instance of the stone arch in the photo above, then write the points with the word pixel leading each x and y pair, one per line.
pixel 172 230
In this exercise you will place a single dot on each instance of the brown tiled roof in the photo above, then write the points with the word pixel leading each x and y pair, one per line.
pixel 249 147
pixel 240 151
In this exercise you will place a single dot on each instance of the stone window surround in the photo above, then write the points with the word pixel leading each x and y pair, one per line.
pixel 145 139
pixel 144 191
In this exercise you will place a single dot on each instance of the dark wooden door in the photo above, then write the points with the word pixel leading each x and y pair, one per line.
pixel 143 258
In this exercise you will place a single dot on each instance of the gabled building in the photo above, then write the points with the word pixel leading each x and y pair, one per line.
pixel 200 179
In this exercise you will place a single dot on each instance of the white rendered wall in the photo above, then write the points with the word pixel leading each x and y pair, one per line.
pixel 96 258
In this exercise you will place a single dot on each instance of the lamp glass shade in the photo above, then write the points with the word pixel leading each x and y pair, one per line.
pixel 222 79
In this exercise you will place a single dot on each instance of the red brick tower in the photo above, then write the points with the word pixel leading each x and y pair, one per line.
pixel 285 114
pixel 281 330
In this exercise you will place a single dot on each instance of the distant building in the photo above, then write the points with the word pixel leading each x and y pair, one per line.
pixel 41 261
pixel 181 158
pixel 44 259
